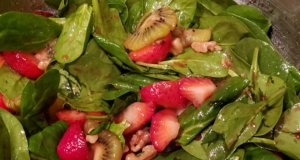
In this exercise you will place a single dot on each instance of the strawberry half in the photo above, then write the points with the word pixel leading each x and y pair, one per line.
pixel 73 145
pixel 1 60
pixel 23 63
pixel 137 114
pixel 196 89
pixel 153 53
pixel 164 93
pixel 72 116
pixel 2 105
pixel 164 128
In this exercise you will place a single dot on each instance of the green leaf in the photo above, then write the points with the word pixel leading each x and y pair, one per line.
pixel 134 15
pixel 13 139
pixel 215 6
pixel 33 125
pixel 226 30
pixel 45 143
pixel 238 154
pixel 122 102
pixel 191 63
pixel 193 120
pixel 176 155
pixel 11 83
pixel 26 31
pixel 121 7
pixel 252 14
pixel 40 95
pixel 75 35
pixel 259 153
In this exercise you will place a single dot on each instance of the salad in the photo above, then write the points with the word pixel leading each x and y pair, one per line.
pixel 140 80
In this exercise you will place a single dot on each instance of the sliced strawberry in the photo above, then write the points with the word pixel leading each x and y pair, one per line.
pixel 72 116
pixel 23 63
pixel 164 93
pixel 137 114
pixel 153 53
pixel 73 145
pixel 196 90
pixel 2 104
pixel 164 128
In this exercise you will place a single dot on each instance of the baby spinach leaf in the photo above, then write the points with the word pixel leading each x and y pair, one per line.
pixel 75 35
pixel 121 7
pixel 13 139
pixel 176 155
pixel 191 63
pixel 259 153
pixel 184 10
pixel 134 14
pixel 215 6
pixel 44 143
pixel 11 83
pixel 226 30
pixel 132 81
pixel 33 125
pixel 98 69
pixel 252 14
pixel 113 94
pixel 193 120
pixel 26 31
pixel 40 95
pixel 238 154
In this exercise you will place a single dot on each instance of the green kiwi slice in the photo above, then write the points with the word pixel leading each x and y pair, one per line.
pixel 152 26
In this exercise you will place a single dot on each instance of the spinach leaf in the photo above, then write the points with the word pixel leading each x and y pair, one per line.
pixel 75 35
pixel 33 125
pixel 98 69
pixel 26 31
pixel 184 10
pixel 118 129
pixel 89 86
pixel 134 14
pixel 11 83
pixel 191 63
pixel 45 142
pixel 286 131
pixel 176 155
pixel 40 95
pixel 132 81
pixel 193 120
pixel 121 7
pixel 226 30
pixel 214 6
pixel 238 154
pixel 252 14
pixel 13 139
pixel 255 152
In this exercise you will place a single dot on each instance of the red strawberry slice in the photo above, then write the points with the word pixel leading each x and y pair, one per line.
pixel 23 63
pixel 1 60
pixel 164 93
pixel 153 53
pixel 43 13
pixel 196 89
pixel 73 145
pixel 164 128
pixel 2 105
pixel 137 114
pixel 72 116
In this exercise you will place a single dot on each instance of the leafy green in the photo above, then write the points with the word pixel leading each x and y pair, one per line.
pixel 11 83
pixel 13 139
pixel 121 7
pixel 254 152
pixel 226 30
pixel 176 155
pixel 134 14
pixel 40 95
pixel 44 143
pixel 26 31
pixel 191 63
pixel 33 125
pixel 215 7
pixel 75 35
pixel 118 129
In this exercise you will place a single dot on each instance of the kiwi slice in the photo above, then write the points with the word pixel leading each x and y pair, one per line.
pixel 108 146
pixel 152 26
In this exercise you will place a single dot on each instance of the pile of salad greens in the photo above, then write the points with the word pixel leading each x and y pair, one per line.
pixel 253 113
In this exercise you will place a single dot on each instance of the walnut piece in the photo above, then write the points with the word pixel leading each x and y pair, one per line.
pixel 148 153
pixel 139 140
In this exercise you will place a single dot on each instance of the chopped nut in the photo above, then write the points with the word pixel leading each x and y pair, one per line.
pixel 148 153
pixel 204 47
pixel 139 140
pixel 176 47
